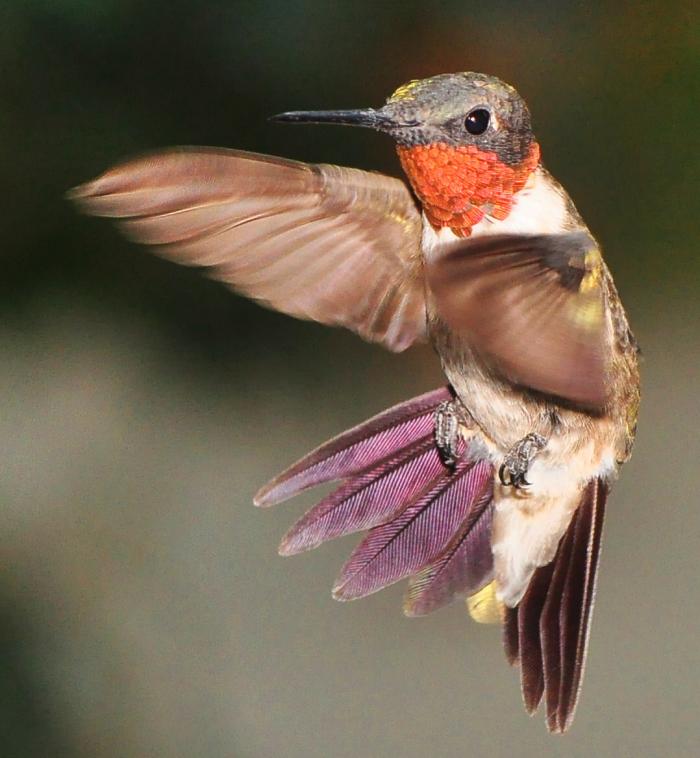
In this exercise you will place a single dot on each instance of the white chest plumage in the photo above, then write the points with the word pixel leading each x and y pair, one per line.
pixel 541 207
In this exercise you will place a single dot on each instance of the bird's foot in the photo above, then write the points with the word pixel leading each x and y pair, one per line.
pixel 518 459
pixel 449 416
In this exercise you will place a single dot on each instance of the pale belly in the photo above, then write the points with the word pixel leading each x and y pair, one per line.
pixel 503 412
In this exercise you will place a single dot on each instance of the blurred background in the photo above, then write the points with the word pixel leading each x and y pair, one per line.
pixel 143 607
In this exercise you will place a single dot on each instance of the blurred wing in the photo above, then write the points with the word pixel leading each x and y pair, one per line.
pixel 534 305
pixel 335 245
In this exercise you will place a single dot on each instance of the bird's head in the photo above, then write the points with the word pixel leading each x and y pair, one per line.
pixel 464 140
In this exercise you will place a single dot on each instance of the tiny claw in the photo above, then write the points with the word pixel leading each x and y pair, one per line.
pixel 448 461
pixel 518 459
pixel 518 480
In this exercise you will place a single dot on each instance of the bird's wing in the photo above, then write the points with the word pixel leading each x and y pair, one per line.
pixel 335 245
pixel 534 306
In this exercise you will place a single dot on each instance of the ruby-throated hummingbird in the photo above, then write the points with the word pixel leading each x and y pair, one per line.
pixel 493 488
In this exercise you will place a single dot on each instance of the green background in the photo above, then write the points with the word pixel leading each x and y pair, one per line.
pixel 143 608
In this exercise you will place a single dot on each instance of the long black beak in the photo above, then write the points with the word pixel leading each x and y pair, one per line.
pixel 369 117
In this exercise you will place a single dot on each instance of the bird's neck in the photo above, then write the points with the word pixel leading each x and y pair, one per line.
pixel 461 186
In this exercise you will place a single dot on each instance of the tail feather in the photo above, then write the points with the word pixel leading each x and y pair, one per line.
pixel 553 618
pixel 368 500
pixel 463 568
pixel 511 642
pixel 577 602
pixel 529 638
pixel 417 535
pixel 358 448
pixel 550 633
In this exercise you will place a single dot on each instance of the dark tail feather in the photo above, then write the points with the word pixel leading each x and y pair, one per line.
pixel 548 632
pixel 368 499
pixel 577 604
pixel 357 449
pixel 529 639
pixel 510 636
pixel 463 568
pixel 417 536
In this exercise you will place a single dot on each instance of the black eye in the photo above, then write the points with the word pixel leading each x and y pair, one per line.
pixel 477 122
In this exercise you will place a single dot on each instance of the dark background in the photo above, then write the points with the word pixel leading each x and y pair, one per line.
pixel 143 608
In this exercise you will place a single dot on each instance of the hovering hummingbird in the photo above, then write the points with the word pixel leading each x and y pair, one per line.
pixel 493 487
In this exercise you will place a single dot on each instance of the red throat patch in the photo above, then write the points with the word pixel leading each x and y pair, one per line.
pixel 458 186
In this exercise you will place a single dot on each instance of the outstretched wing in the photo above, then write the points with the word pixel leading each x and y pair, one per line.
pixel 335 245
pixel 532 304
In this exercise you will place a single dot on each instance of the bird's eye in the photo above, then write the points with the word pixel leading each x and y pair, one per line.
pixel 477 122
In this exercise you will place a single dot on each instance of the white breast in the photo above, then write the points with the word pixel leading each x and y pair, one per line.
pixel 539 208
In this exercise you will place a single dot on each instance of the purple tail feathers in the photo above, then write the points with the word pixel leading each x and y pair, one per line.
pixel 432 524
pixel 425 520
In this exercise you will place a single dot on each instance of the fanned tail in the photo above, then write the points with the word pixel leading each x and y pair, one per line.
pixel 432 523
pixel 547 633
pixel 425 520
pixel 357 449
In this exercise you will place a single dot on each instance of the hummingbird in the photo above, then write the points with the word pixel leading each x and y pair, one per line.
pixel 492 488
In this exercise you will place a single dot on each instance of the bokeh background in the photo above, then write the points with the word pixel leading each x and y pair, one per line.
pixel 143 608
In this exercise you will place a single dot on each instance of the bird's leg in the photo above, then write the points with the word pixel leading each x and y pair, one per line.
pixel 449 416
pixel 517 461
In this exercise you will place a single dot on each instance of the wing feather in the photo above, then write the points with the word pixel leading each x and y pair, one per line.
pixel 534 306
pixel 330 244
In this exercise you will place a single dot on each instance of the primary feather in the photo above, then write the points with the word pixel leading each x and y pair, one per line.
pixel 336 245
